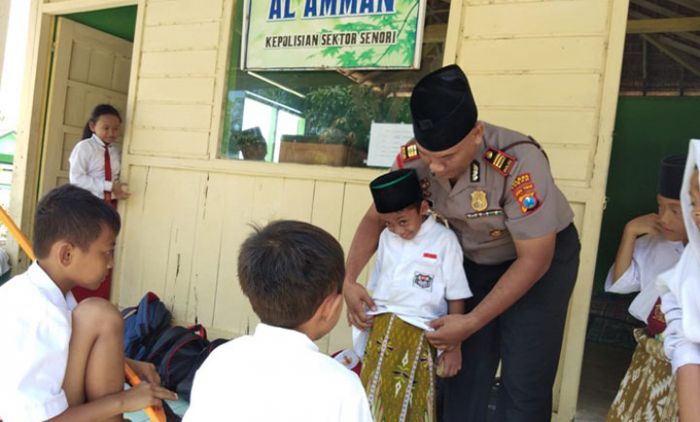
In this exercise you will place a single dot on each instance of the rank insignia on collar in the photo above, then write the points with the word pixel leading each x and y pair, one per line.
pixel 475 172
pixel 479 202
pixel 500 160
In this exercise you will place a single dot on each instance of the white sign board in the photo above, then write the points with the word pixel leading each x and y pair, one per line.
pixel 385 140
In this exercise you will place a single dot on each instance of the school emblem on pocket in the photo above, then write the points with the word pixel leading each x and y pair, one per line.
pixel 423 281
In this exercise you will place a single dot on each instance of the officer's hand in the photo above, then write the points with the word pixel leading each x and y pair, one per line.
pixel 451 330
pixel 357 299
pixel 646 224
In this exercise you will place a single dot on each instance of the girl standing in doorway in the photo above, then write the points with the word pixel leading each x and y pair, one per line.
pixel 95 165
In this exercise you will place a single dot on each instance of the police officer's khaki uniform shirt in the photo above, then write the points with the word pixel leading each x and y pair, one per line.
pixel 533 206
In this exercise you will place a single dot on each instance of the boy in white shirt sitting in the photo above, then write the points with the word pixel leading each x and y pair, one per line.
pixel 61 361
pixel 418 277
pixel 292 273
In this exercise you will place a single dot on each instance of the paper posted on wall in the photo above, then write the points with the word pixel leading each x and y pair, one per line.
pixel 385 139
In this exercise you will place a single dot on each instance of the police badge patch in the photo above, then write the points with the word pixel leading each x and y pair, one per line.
pixel 423 281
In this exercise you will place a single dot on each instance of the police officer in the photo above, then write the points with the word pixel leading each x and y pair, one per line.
pixel 521 252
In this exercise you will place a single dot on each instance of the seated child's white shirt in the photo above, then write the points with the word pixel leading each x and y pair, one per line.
pixel 275 375
pixel 414 278
pixel 35 320
pixel 652 255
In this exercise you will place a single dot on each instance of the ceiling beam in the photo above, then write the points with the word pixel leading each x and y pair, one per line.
pixel 687 36
pixel 688 4
pixel 679 57
pixel 667 25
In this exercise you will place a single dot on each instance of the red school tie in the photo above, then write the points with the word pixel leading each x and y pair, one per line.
pixel 108 174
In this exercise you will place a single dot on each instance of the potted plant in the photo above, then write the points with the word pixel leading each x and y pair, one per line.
pixel 251 143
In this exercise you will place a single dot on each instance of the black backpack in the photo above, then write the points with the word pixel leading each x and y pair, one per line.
pixel 143 325
pixel 178 353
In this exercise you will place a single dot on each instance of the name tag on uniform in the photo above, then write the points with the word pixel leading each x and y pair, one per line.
pixel 487 213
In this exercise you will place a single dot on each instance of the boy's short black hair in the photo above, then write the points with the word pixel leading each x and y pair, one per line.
pixel 74 215
pixel 287 269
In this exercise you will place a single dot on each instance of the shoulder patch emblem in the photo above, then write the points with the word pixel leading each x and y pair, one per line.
pixel 499 160
pixel 523 189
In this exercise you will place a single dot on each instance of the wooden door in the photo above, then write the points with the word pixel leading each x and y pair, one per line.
pixel 89 67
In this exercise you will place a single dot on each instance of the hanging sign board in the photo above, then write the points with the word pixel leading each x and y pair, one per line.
pixel 329 34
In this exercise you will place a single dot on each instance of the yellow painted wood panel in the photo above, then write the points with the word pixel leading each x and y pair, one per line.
pixel 177 90
pixel 194 36
pixel 569 163
pixel 183 11
pixel 178 63
pixel 297 199
pixel 232 311
pixel 538 90
pixel 546 126
pixel 547 54
pixel 556 18
pixel 172 116
pixel 328 198
pixel 160 237
pixel 173 143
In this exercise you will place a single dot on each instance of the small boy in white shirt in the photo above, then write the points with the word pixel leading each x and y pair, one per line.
pixel 61 361
pixel 418 277
pixel 292 273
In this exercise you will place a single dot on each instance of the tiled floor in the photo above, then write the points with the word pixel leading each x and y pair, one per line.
pixel 602 370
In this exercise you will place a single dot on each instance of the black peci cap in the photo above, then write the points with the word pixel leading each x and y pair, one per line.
pixel 396 190
pixel 443 108
pixel 671 176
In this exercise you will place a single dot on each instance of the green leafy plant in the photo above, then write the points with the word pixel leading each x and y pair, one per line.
pixel 344 114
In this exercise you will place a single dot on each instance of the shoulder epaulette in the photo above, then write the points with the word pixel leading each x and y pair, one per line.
pixel 408 153
pixel 499 160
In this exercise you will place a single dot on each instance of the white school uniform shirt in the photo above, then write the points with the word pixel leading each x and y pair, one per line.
pixel 414 278
pixel 680 301
pixel 87 165
pixel 652 256
pixel 275 375
pixel 35 322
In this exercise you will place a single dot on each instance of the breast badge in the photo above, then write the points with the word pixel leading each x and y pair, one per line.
pixel 479 202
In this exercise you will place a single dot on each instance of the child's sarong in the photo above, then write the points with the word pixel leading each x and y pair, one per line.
pixel 398 372
pixel 648 390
